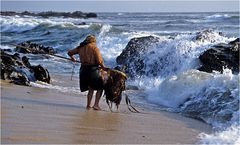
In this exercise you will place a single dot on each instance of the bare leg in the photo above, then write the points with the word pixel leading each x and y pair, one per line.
pixel 98 96
pixel 89 98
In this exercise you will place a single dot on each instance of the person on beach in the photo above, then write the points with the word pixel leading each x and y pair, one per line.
pixel 91 62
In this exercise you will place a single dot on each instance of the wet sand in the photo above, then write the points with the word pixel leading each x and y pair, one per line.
pixel 37 115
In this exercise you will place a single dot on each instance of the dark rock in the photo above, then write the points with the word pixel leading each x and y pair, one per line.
pixel 91 15
pixel 131 55
pixel 221 56
pixel 25 13
pixel 235 41
pixel 29 47
pixel 7 50
pixel 7 58
pixel 26 62
pixel 19 79
pixel 41 73
pixel 76 14
pixel 134 47
pixel 19 70
pixel 8 13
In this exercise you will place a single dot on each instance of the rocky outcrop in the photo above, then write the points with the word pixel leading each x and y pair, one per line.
pixel 221 56
pixel 149 56
pixel 29 47
pixel 76 14
pixel 131 55
pixel 91 15
pixel 19 70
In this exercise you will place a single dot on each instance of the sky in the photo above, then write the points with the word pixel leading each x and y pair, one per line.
pixel 122 6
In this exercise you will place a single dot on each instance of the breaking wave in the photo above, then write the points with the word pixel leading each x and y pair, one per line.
pixel 171 56
pixel 170 80
pixel 218 16
pixel 23 24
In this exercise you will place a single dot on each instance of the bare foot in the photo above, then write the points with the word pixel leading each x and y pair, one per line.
pixel 96 108
pixel 88 107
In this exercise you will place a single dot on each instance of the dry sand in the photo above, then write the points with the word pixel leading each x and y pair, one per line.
pixel 36 115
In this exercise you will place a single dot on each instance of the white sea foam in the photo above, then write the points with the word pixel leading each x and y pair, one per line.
pixel 229 135
pixel 120 14
pixel 172 56
pixel 175 61
pixel 111 44
pixel 179 81
pixel 218 16
pixel 38 84
pixel 5 47
pixel 175 90
pixel 16 24
pixel 20 24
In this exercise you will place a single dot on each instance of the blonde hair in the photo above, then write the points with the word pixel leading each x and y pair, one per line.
pixel 90 39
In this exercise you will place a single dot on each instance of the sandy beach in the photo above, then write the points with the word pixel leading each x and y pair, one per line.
pixel 37 115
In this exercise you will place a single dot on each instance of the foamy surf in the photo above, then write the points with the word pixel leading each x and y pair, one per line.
pixel 175 85
pixel 63 89
pixel 224 135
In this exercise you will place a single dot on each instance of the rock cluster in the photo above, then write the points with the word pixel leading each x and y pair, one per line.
pixel 29 47
pixel 19 70
pixel 76 14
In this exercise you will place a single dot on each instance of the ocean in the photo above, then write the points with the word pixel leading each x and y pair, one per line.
pixel 177 79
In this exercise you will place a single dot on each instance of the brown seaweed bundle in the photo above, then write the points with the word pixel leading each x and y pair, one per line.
pixel 114 85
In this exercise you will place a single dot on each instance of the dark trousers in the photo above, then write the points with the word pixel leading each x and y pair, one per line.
pixel 89 77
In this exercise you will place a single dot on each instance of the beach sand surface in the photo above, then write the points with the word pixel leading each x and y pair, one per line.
pixel 38 115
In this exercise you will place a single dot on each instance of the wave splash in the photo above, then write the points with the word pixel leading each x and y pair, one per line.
pixel 175 83
pixel 211 97
pixel 170 56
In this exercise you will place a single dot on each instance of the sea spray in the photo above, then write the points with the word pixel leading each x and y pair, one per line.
pixel 213 98
pixel 166 56
pixel 176 83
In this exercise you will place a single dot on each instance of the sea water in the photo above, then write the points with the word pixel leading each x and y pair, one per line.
pixel 177 77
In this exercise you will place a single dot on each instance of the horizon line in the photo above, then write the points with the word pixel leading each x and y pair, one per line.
pixel 125 11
